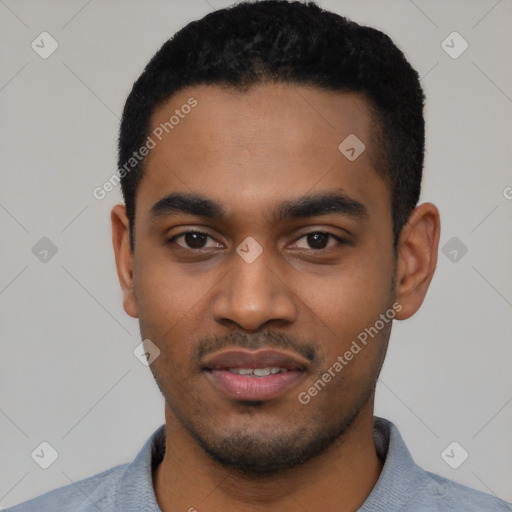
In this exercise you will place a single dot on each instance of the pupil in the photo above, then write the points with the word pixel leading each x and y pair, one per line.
pixel 317 240
pixel 195 240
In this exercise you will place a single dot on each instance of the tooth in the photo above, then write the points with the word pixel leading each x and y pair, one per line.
pixel 241 371
pixel 261 372
pixel 258 372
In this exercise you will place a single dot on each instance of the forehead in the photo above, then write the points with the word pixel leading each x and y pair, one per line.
pixel 304 118
pixel 269 143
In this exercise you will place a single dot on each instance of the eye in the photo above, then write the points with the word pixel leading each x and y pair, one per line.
pixel 195 240
pixel 318 240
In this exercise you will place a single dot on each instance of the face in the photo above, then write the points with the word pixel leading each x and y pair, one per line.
pixel 262 253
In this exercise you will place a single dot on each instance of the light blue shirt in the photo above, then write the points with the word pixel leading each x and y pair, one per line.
pixel 402 486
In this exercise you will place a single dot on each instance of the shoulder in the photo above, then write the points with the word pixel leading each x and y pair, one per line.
pixel 124 487
pixel 451 496
pixel 84 496
pixel 405 486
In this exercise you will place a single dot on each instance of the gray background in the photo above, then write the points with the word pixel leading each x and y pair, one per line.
pixel 68 375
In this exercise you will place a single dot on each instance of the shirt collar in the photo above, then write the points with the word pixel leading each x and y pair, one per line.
pixel 400 479
pixel 135 488
pixel 399 482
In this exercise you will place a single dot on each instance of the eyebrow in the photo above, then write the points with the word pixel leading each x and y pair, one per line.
pixel 310 205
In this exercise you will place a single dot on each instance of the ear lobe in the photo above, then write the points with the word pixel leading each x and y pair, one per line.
pixel 124 257
pixel 417 258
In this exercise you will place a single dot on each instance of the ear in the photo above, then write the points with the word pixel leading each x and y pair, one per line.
pixel 124 257
pixel 417 258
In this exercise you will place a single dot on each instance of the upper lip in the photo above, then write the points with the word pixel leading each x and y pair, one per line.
pixel 264 358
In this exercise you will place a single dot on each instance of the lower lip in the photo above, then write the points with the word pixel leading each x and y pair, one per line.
pixel 245 388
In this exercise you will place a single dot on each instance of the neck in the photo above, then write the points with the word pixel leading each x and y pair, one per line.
pixel 338 480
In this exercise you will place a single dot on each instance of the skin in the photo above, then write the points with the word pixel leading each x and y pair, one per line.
pixel 251 151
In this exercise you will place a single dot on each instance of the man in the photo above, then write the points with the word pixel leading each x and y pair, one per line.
pixel 271 159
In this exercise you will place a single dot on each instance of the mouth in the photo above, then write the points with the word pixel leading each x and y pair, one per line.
pixel 254 375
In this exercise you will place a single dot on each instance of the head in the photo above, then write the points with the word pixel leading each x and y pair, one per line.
pixel 291 141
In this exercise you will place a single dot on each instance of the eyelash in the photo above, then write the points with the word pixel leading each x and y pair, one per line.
pixel 173 239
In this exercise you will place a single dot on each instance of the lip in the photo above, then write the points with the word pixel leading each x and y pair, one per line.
pixel 264 358
pixel 252 388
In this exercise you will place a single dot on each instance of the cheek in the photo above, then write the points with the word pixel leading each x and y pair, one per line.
pixel 167 295
pixel 350 298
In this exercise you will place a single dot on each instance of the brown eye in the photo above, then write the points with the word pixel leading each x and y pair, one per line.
pixel 318 240
pixel 193 240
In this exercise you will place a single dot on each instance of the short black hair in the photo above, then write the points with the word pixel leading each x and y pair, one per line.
pixel 288 42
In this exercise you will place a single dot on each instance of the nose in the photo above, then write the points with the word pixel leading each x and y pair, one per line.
pixel 253 295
